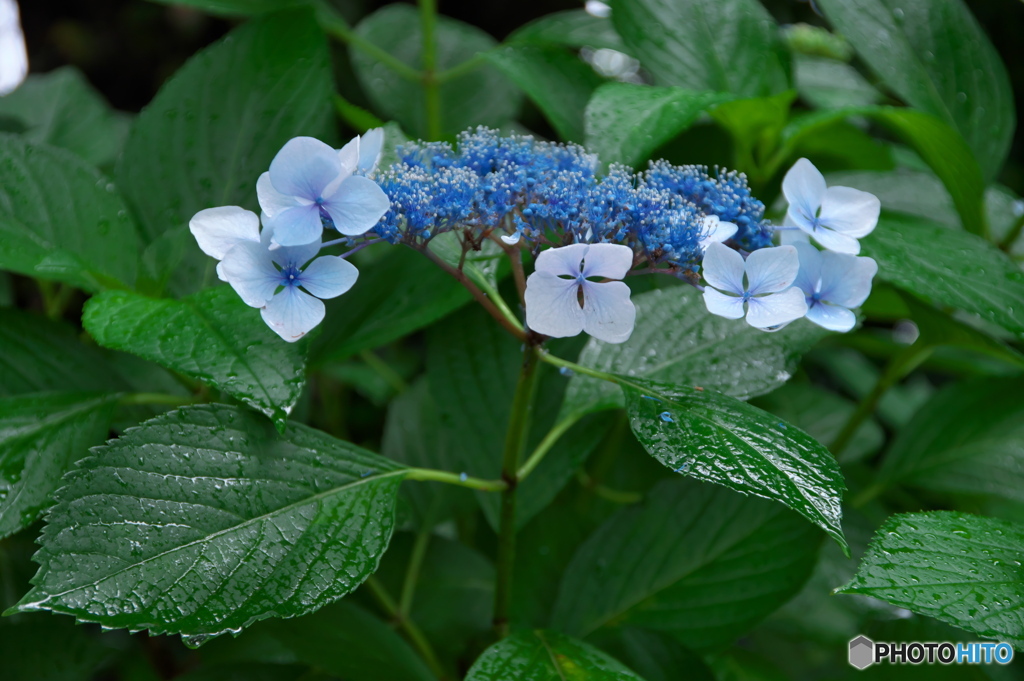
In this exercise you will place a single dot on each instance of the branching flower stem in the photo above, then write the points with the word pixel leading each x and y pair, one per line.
pixel 335 25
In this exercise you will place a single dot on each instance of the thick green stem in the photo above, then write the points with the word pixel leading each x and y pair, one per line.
pixel 431 88
pixel 414 633
pixel 335 25
pixel 515 438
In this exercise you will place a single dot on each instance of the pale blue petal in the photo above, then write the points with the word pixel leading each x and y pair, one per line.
pixel 291 314
pixel 357 206
pixel 304 168
pixel 370 146
pixel 552 305
pixel 13 55
pixel 295 256
pixel 607 261
pixel 272 201
pixel 511 239
pixel 730 307
pixel 804 188
pixel 251 272
pixel 777 308
pixel 349 155
pixel 850 211
pixel 834 241
pixel 846 279
pixel 328 276
pixel 608 313
pixel 218 230
pixel 832 317
pixel 771 269
pixel 723 268
pixel 297 226
pixel 716 230
pixel 808 279
pixel 563 261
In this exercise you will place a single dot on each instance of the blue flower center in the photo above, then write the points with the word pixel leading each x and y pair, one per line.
pixel 291 276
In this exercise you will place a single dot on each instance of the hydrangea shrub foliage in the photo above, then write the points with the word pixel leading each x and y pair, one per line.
pixel 511 373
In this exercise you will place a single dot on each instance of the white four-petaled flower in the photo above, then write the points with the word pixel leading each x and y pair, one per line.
pixel 561 299
pixel 13 56
pixel 835 217
pixel 832 283
pixel 767 297
pixel 278 281
pixel 310 186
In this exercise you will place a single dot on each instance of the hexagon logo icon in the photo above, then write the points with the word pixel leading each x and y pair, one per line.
pixel 862 652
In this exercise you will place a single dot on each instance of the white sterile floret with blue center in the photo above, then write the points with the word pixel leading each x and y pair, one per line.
pixel 311 186
pixel 562 300
pixel 833 283
pixel 835 217
pixel 767 297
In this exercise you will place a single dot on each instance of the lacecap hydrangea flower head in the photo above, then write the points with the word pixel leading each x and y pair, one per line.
pixel 546 202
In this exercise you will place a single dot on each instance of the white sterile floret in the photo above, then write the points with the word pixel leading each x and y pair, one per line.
pixel 13 56
pixel 311 186
pixel 767 298
pixel 716 231
pixel 835 217
pixel 833 283
pixel 367 148
pixel 562 277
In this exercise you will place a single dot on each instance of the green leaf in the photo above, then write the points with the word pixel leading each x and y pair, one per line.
pixel 626 123
pixel 935 56
pixel 212 336
pixel 822 414
pixel 61 109
pixel 713 437
pixel 938 145
pixel 213 129
pixel 830 84
pixel 204 520
pixel 41 435
pixel 968 439
pixel 485 266
pixel 543 655
pixel 958 568
pixel 402 292
pixel 904 190
pixel 482 96
pixel 61 219
pixel 28 651
pixel 755 124
pixel 696 561
pixel 722 45
pixel 675 340
pixel 558 82
pixel 656 655
pixel 572 28
pixel 949 268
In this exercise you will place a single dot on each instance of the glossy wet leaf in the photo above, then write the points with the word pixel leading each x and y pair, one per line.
pixel 41 436
pixel 829 84
pixel 625 123
pixel 61 219
pixel 572 28
pixel 713 437
pixel 697 561
pixel 61 109
pixel 212 336
pixel 204 520
pixel 557 80
pixel 675 340
pixel 958 568
pixel 935 56
pixel 400 293
pixel 214 127
pixel 483 96
pixel 545 655
pixel 949 268
pixel 968 439
pixel 723 45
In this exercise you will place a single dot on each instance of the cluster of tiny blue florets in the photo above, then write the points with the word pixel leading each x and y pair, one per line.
pixel 550 193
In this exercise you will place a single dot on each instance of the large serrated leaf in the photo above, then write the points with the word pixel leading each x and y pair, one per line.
pixel 542 655
pixel 697 561
pixel 212 336
pixel 215 126
pixel 935 56
pixel 204 520
pixel 61 219
pixel 572 28
pixel 710 436
pixel 676 340
pixel 41 435
pixel 724 45
pixel 958 568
